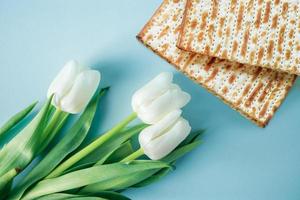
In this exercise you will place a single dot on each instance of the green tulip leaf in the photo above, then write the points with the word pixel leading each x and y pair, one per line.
pixel 117 154
pixel 91 175
pixel 146 177
pixel 14 120
pixel 63 196
pixel 100 155
pixel 107 195
pixel 122 152
pixel 72 139
pixel 6 180
pixel 153 178
pixel 20 151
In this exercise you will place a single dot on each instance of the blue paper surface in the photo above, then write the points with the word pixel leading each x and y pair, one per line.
pixel 237 161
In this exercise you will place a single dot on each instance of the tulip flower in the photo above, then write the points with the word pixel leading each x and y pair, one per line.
pixel 155 103
pixel 73 87
pixel 160 139
pixel 157 98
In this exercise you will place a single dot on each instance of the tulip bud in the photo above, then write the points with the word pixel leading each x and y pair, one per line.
pixel 73 87
pixel 162 138
pixel 157 98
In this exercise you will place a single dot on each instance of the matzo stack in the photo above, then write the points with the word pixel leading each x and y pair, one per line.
pixel 253 91
pixel 263 33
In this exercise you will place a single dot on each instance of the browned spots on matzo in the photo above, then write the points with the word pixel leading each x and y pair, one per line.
pixel 189 42
pixel 210 63
pixel 265 91
pixel 233 5
pixel 256 74
pixel 255 39
pixel 177 29
pixel 175 17
pixel 194 68
pixel 250 5
pixel 225 90
pixel 253 24
pixel 232 78
pixel 258 18
pixel 291 34
pixel 288 54
pixel 274 22
pixel 240 18
pixel 207 50
pixel 253 94
pixel 211 30
pixel 164 48
pixel 199 78
pixel 252 55
pixel 215 6
pixel 260 2
pixel 189 61
pixel 264 109
pixel 245 43
pixel 204 20
pixel 164 32
pixel 246 90
pixel 149 37
pixel 200 36
pixel 194 24
pixel 228 67
pixel 260 55
pixel 234 47
pixel 222 21
pixel 212 75
pixel 179 59
pixel 293 22
pixel 281 38
pixel 267 12
pixel 270 49
pixel 285 8
pixel 224 54
pixel 227 32
pixel 276 2
pixel 218 49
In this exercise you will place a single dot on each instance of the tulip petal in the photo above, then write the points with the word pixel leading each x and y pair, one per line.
pixel 63 82
pixel 172 99
pixel 166 143
pixel 83 89
pixel 151 132
pixel 151 90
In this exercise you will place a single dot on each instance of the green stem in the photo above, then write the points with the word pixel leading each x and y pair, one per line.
pixel 91 147
pixel 55 124
pixel 134 155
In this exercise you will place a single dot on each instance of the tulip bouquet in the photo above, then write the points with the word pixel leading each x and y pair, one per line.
pixel 125 156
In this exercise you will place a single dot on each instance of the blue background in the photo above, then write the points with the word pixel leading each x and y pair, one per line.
pixel 237 160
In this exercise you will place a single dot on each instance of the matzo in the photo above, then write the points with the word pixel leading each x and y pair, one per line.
pixel 262 33
pixel 253 91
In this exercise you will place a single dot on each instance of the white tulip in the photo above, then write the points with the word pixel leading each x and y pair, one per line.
pixel 162 138
pixel 73 87
pixel 157 98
